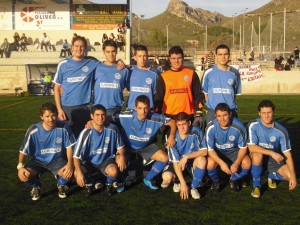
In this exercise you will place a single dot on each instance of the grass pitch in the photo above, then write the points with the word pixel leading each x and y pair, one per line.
pixel 138 205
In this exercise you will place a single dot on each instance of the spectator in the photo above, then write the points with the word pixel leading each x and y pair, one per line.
pixel 296 53
pixel 120 42
pixel 166 65
pixel 45 41
pixel 16 43
pixel 4 48
pixel 66 48
pixel 126 23
pixel 112 37
pixel 278 62
pixel 290 63
pixel 104 38
pixel 74 36
pixel 23 43
pixel 251 56
pixel 202 64
pixel 121 29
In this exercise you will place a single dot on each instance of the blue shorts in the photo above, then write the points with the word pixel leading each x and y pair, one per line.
pixel 188 168
pixel 146 152
pixel 271 165
pixel 91 168
pixel 41 167
pixel 77 117
pixel 229 156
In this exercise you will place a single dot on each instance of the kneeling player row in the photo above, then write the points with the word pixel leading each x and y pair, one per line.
pixel 101 149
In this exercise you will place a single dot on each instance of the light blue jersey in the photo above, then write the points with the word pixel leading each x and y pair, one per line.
pixel 221 86
pixel 95 147
pixel 142 82
pixel 75 77
pixel 140 134
pixel 47 146
pixel 109 86
pixel 194 142
pixel 226 140
pixel 274 138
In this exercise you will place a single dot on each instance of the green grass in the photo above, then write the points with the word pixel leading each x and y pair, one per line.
pixel 139 205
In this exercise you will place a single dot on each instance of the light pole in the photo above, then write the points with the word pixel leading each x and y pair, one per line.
pixel 167 27
pixel 142 16
pixel 233 30
pixel 244 27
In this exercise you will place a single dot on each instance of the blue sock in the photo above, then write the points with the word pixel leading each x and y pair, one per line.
pixel 62 181
pixel 34 181
pixel 256 171
pixel 239 175
pixel 213 174
pixel 275 176
pixel 157 167
pixel 198 175
pixel 110 180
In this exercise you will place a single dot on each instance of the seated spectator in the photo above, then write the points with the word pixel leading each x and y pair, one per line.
pixel 16 43
pixel 65 48
pixel 121 29
pixel 290 63
pixel 45 41
pixel 278 62
pixel 104 38
pixel 112 37
pixel 23 43
pixel 4 48
pixel 74 36
pixel 296 53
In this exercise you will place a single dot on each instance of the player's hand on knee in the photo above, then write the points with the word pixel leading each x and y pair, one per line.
pixel 277 157
pixel 23 174
pixel 121 162
pixel 234 168
pixel 225 168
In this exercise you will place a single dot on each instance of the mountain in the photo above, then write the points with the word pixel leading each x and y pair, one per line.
pixel 196 16
pixel 183 25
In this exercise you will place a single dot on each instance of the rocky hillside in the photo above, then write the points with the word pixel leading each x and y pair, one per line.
pixel 196 16
pixel 182 24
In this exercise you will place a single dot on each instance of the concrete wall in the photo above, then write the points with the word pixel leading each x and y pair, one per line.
pixel 273 82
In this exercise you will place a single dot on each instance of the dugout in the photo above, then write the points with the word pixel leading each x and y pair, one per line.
pixel 39 78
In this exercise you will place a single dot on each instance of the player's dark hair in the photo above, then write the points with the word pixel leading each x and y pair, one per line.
pixel 98 107
pixel 182 116
pixel 140 48
pixel 49 107
pixel 222 107
pixel 142 98
pixel 109 42
pixel 266 104
pixel 176 50
pixel 222 46
pixel 79 38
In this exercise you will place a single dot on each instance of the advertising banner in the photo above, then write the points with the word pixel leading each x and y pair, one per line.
pixel 48 15
pixel 249 73
pixel 97 17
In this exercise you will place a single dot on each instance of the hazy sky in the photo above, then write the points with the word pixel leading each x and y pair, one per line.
pixel 150 8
